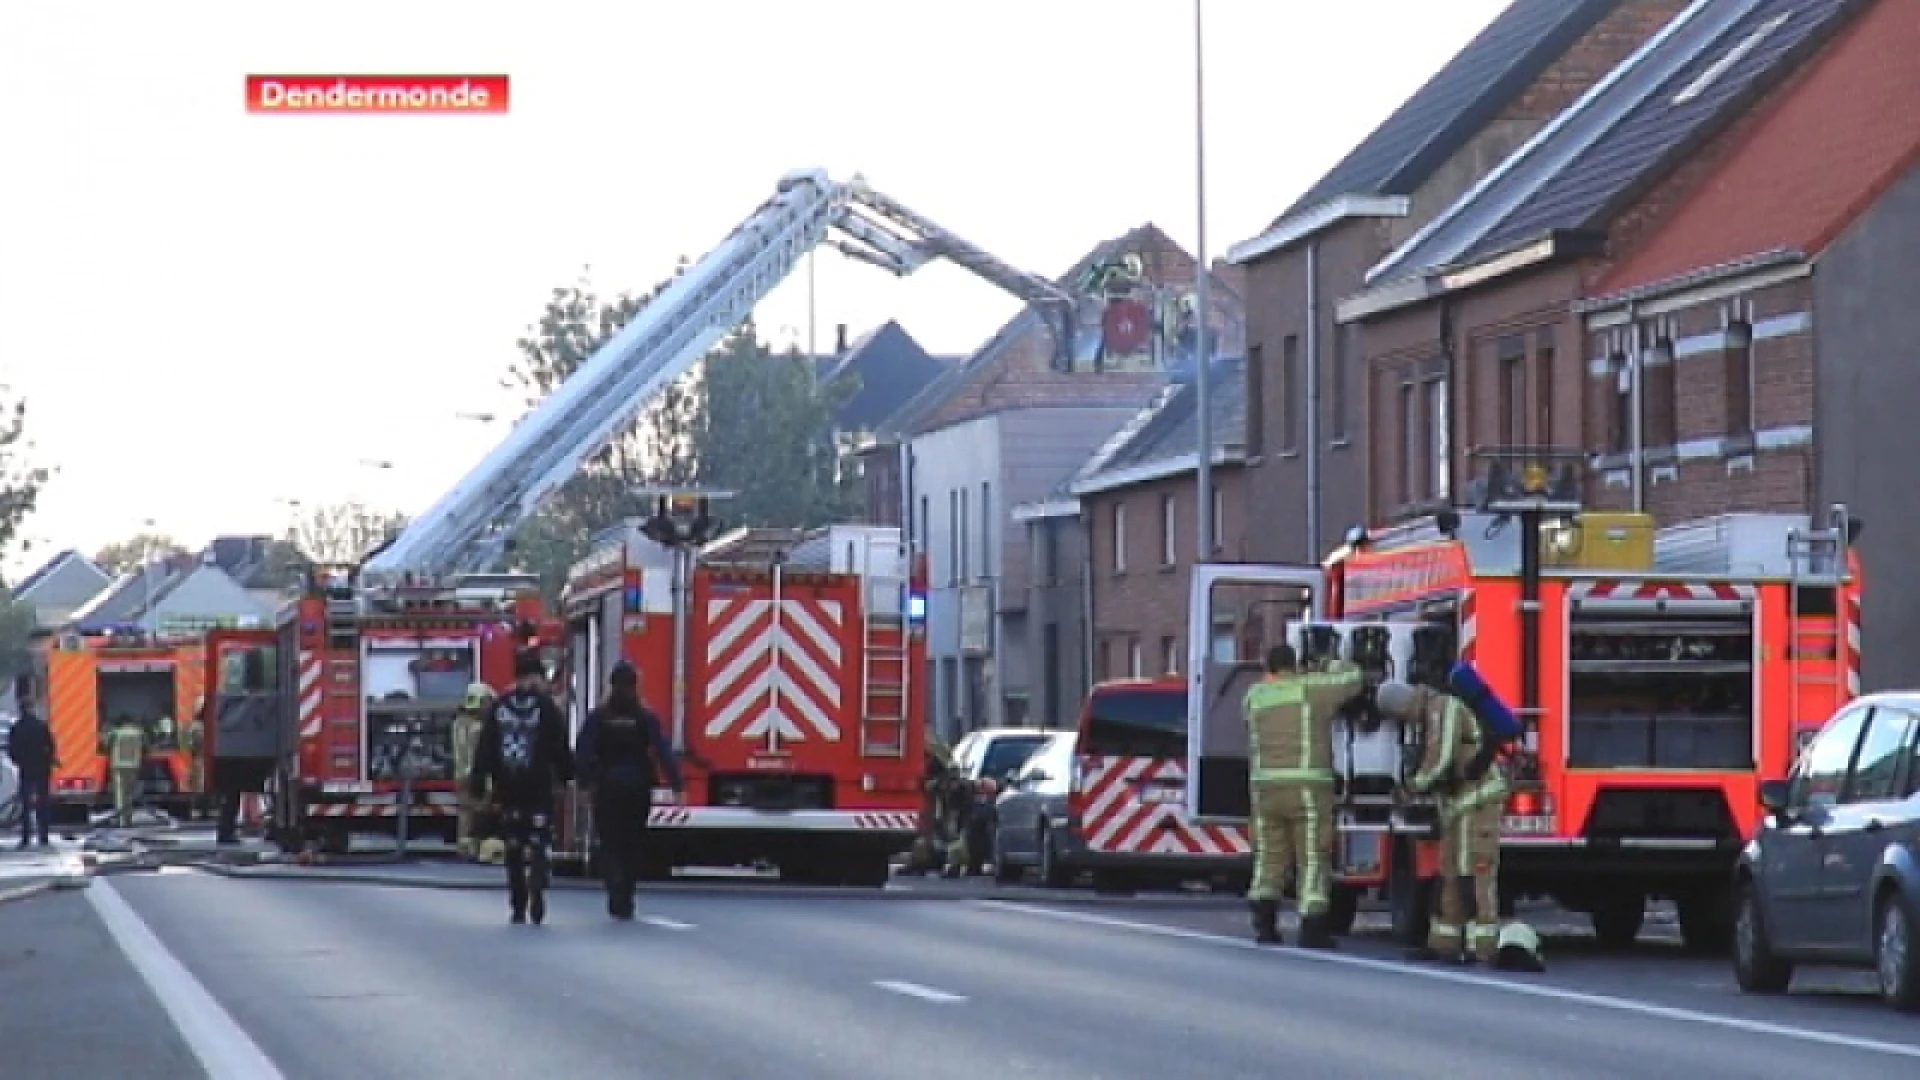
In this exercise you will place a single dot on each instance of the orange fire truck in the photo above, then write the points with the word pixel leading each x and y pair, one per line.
pixel 357 684
pixel 1661 674
pixel 783 668
pixel 91 681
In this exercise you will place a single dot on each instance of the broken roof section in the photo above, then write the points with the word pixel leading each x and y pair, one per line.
pixel 1164 439
pixel 1430 127
pixel 1555 194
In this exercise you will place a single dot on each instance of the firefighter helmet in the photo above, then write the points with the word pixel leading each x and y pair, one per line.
pixel 1519 949
pixel 479 697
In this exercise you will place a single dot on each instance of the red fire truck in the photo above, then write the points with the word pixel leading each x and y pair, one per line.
pixel 783 665
pixel 1661 675
pixel 350 700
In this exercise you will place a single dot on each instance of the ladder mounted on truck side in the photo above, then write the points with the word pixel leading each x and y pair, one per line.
pixel 469 526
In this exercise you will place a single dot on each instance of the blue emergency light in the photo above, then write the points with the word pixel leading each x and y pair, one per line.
pixel 631 598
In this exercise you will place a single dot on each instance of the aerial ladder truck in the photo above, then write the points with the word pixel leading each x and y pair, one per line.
pixel 341 740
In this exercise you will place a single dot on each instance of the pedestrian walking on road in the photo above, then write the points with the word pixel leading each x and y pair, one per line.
pixel 466 740
pixel 1470 807
pixel 126 752
pixel 1290 748
pixel 623 751
pixel 34 753
pixel 522 754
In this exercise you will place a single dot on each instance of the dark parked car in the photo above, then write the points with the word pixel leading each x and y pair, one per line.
pixel 989 757
pixel 1031 824
pixel 1832 876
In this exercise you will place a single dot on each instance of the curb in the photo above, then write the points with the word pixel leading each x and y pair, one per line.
pixel 25 892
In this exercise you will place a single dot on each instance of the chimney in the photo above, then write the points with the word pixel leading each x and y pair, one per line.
pixel 840 339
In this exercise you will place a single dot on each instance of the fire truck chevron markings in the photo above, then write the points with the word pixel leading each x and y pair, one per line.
pixel 1467 978
pixel 759 659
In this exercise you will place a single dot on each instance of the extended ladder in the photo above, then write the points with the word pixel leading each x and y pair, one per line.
pixel 469 526
pixel 1817 644
pixel 886 667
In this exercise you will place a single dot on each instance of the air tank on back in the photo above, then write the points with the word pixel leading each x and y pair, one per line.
pixel 1371 754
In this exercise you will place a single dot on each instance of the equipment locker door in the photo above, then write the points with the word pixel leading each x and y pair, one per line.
pixel 1233 613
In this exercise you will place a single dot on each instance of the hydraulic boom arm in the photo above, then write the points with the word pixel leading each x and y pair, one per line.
pixel 469 526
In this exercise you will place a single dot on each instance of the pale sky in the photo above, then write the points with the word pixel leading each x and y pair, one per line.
pixel 211 313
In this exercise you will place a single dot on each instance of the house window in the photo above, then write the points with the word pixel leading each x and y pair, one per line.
pixel 925 509
pixel 1256 400
pixel 1170 656
pixel 1740 389
pixel 1512 360
pixel 1338 391
pixel 1660 402
pixel 1119 538
pixel 1620 418
pixel 954 571
pixel 960 526
pixel 1050 676
pixel 1169 531
pixel 1290 396
pixel 986 531
pixel 1410 467
pixel 1135 662
pixel 1438 446
pixel 1543 361
pixel 1219 520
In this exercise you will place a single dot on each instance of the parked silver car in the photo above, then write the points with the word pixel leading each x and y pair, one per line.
pixel 1033 828
pixel 1832 875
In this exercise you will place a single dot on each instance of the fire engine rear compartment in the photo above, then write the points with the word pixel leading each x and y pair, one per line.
pixel 141 691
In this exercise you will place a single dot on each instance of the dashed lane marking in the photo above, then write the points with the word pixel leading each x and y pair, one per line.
pixel 224 1048
pixel 915 990
pixel 1464 978
pixel 665 923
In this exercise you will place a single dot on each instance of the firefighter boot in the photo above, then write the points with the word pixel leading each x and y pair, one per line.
pixel 1266 921
pixel 1315 934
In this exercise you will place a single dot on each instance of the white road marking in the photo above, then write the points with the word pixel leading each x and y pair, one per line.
pixel 1464 978
pixel 665 923
pixel 924 993
pixel 224 1048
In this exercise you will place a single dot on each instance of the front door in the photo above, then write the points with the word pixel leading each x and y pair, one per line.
pixel 1797 848
pixel 1862 827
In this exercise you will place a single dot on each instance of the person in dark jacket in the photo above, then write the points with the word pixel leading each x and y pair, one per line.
pixel 32 749
pixel 522 755
pixel 623 751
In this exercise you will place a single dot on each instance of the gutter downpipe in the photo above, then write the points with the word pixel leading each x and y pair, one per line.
pixel 1086 606
pixel 1637 367
pixel 1450 365
pixel 1313 399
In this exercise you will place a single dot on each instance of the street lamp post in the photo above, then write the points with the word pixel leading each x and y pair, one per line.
pixel 1202 295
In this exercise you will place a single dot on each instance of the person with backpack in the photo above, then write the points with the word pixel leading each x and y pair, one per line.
pixel 622 751
pixel 1290 717
pixel 1470 786
pixel 34 753
pixel 522 755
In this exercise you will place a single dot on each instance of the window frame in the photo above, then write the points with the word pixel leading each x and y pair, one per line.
pixel 1798 795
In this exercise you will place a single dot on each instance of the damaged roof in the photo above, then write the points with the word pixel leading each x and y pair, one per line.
pixel 1163 439
pixel 1684 86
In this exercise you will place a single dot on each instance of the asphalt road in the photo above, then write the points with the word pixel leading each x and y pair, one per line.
pixel 320 980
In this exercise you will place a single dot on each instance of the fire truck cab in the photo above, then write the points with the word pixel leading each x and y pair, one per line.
pixel 366 680
pixel 782 666
pixel 1660 675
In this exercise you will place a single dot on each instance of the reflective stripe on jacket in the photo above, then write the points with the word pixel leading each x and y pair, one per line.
pixel 1452 740
pixel 1290 723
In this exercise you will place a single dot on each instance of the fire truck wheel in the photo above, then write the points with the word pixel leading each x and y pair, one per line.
pixel 1343 908
pixel 1706 921
pixel 1410 898
pixel 867 871
pixel 1617 920
pixel 1113 883
pixel 336 840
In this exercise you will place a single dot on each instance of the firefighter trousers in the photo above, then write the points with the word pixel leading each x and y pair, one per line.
pixel 1293 827
pixel 1469 883
pixel 620 814
pixel 126 789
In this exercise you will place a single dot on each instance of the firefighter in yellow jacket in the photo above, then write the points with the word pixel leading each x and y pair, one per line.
pixel 126 752
pixel 1290 748
pixel 466 737
pixel 1468 926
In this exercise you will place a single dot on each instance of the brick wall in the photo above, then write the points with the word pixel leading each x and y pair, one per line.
pixel 1148 601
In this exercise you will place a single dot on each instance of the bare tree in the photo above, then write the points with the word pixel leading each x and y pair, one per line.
pixel 345 532
pixel 123 556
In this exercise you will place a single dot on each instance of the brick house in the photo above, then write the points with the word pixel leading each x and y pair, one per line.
pixel 1002 428
pixel 1138 500
pixel 1469 339
pixel 1769 320
pixel 1306 469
